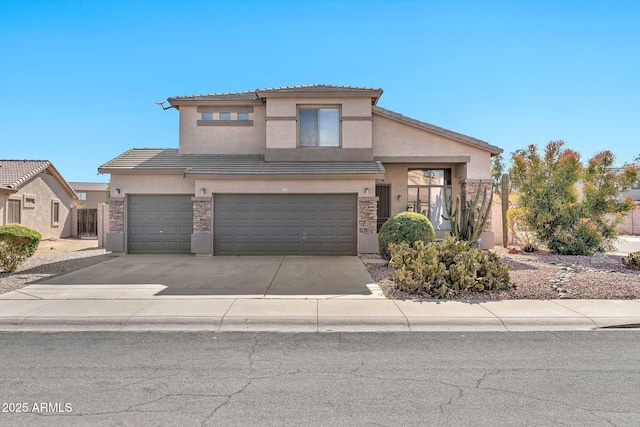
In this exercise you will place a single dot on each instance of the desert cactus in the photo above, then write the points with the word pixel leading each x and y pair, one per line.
pixel 464 224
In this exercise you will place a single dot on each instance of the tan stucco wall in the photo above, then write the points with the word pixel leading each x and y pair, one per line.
pixel 288 107
pixel 93 199
pixel 196 139
pixel 150 184
pixel 45 188
pixel 301 186
pixel 283 133
pixel 176 184
pixel 392 138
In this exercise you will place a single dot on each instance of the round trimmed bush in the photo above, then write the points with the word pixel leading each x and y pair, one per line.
pixel 17 243
pixel 407 227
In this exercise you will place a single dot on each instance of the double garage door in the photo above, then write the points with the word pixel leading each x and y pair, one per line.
pixel 248 224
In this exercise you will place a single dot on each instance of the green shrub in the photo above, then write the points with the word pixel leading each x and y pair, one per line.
pixel 445 269
pixel 17 243
pixel 407 227
pixel 632 261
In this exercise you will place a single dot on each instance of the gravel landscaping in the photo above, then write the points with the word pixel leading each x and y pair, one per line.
pixel 541 276
pixel 54 258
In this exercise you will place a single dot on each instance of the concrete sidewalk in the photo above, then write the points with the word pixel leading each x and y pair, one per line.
pixel 133 307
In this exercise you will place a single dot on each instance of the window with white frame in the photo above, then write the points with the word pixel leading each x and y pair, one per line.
pixel 13 211
pixel 319 127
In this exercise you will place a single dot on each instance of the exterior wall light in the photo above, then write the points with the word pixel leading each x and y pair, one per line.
pixel 366 190
pixel 117 191
pixel 203 190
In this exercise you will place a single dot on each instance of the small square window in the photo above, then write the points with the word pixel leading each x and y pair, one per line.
pixel 243 116
pixel 225 116
pixel 82 196
pixel 207 116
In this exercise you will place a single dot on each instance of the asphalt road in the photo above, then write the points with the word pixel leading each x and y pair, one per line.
pixel 391 379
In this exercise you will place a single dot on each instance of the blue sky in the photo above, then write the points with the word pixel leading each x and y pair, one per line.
pixel 79 79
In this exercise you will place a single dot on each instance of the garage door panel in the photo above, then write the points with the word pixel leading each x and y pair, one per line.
pixel 159 223
pixel 270 224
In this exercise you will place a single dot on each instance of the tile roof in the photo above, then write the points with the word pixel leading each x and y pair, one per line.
pixel 168 159
pixel 256 94
pixel 15 173
pixel 438 130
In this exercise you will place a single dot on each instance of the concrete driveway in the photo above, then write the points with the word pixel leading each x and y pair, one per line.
pixel 627 244
pixel 141 276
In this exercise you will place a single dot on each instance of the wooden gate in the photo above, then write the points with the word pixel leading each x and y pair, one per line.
pixel 87 222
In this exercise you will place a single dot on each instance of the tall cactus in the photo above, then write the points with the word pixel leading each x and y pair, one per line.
pixel 464 224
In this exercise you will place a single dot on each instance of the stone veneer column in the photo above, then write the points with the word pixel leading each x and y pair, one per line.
pixel 367 225
pixel 116 215
pixel 201 239
pixel 114 241
pixel 468 190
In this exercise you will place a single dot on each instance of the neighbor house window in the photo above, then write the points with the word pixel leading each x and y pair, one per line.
pixel 207 116
pixel 243 116
pixel 636 185
pixel 427 194
pixel 29 201
pixel 225 116
pixel 55 213
pixel 82 196
pixel 319 127
pixel 13 212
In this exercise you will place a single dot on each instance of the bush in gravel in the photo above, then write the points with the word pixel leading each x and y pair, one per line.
pixel 445 269
pixel 632 261
pixel 17 243
pixel 407 227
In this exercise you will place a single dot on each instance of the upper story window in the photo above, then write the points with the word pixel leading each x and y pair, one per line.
pixel 243 116
pixel 225 116
pixel 319 127
pixel 207 116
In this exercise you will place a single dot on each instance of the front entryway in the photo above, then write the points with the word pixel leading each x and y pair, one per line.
pixel 285 224
pixel 159 223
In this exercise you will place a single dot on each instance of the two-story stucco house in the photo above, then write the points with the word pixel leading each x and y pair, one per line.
pixel 309 170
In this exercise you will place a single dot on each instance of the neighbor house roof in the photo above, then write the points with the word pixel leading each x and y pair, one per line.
pixel 89 186
pixel 168 160
pixel 15 173
pixel 437 130
pixel 255 95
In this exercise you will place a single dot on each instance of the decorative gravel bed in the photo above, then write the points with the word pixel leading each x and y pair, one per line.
pixel 54 258
pixel 542 275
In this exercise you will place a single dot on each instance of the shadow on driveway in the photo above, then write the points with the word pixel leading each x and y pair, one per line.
pixel 274 276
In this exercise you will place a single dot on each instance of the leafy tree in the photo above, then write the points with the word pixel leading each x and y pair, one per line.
pixel 566 220
pixel 497 170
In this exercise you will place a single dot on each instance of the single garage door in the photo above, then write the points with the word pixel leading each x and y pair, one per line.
pixel 160 223
pixel 285 224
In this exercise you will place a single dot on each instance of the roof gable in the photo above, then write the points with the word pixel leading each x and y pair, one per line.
pixel 437 130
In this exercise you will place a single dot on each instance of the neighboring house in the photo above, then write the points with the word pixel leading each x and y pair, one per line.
pixel 90 194
pixel 309 170
pixel 631 224
pixel 34 194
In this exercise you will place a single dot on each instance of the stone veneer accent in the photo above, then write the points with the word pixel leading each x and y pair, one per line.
pixel 367 216
pixel 469 189
pixel 116 216
pixel 202 216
